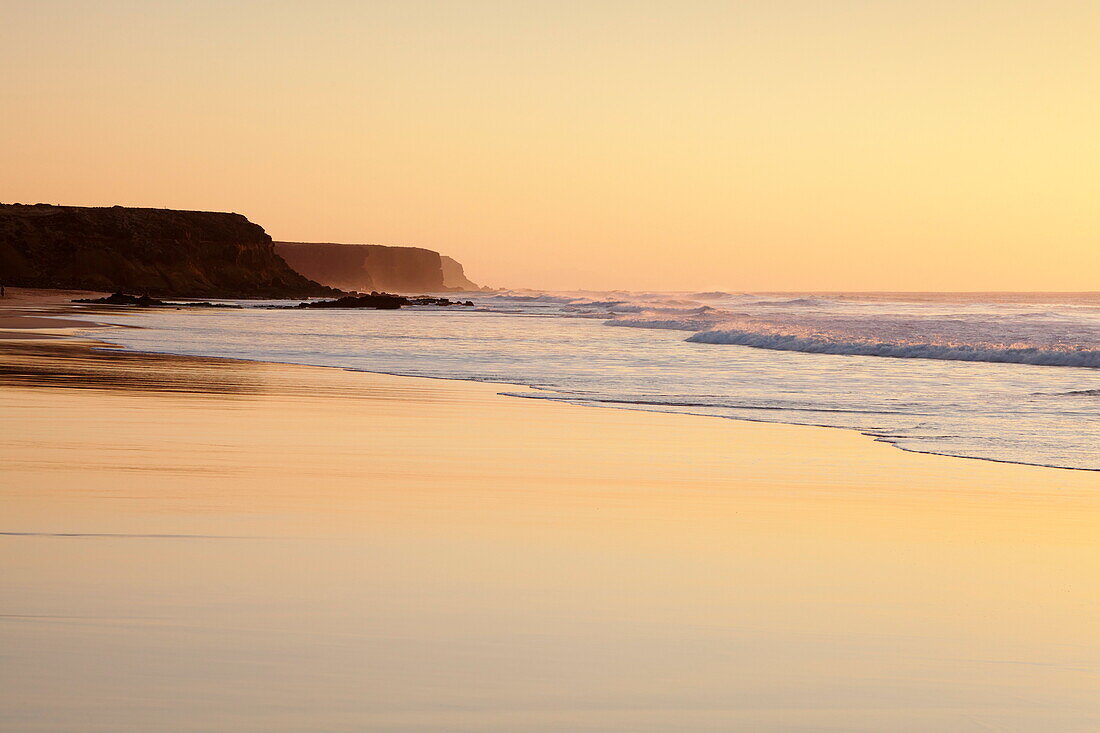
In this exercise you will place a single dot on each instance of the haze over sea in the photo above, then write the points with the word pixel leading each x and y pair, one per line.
pixel 998 376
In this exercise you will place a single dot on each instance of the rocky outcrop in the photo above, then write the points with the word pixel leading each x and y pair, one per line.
pixel 144 301
pixel 365 267
pixel 159 252
pixel 377 301
pixel 454 277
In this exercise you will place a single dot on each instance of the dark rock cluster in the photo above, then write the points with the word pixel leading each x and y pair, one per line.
pixel 379 301
pixel 144 301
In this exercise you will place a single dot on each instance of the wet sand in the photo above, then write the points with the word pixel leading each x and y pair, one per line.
pixel 208 545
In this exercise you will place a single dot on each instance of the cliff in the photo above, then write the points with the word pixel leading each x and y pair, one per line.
pixel 367 267
pixel 454 277
pixel 159 252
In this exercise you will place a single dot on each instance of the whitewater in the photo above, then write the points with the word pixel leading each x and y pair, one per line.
pixel 1003 377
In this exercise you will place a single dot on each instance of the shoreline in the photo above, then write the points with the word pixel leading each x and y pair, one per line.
pixel 47 301
pixel 60 344
pixel 416 554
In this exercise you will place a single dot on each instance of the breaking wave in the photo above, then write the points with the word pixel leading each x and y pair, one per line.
pixel 668 324
pixel 946 331
pixel 792 301
pixel 542 298
pixel 947 352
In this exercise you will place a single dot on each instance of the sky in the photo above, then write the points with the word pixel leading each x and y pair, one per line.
pixel 776 145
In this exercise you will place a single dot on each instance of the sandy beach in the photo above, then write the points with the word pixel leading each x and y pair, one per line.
pixel 206 545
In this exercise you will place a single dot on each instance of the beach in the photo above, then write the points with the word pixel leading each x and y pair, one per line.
pixel 196 544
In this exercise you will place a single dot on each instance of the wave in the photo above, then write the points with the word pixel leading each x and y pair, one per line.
pixel 944 352
pixel 601 303
pixel 534 298
pixel 615 306
pixel 664 324
pixel 793 301
pixel 695 318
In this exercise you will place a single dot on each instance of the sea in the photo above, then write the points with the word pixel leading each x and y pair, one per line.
pixel 1011 377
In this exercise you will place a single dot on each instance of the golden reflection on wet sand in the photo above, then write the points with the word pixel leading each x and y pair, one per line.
pixel 194 544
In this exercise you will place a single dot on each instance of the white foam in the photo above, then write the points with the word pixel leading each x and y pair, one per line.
pixel 811 345
pixel 793 302
pixel 668 324
pixel 543 298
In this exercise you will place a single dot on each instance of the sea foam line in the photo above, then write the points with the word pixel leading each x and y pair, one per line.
pixel 810 345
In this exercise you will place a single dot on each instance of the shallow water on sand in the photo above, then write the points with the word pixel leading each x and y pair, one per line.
pixel 309 549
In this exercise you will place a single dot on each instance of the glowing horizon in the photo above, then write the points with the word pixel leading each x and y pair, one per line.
pixel 692 146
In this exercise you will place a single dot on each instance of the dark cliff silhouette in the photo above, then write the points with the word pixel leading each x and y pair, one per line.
pixel 366 267
pixel 454 277
pixel 161 252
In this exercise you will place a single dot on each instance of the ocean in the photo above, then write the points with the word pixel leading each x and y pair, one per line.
pixel 1011 377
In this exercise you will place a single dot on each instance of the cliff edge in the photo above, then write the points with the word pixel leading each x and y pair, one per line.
pixel 160 252
pixel 454 277
pixel 366 267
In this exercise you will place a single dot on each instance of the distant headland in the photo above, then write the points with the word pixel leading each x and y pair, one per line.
pixel 198 254
pixel 366 267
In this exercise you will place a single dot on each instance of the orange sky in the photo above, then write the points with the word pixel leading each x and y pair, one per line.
pixel 679 145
